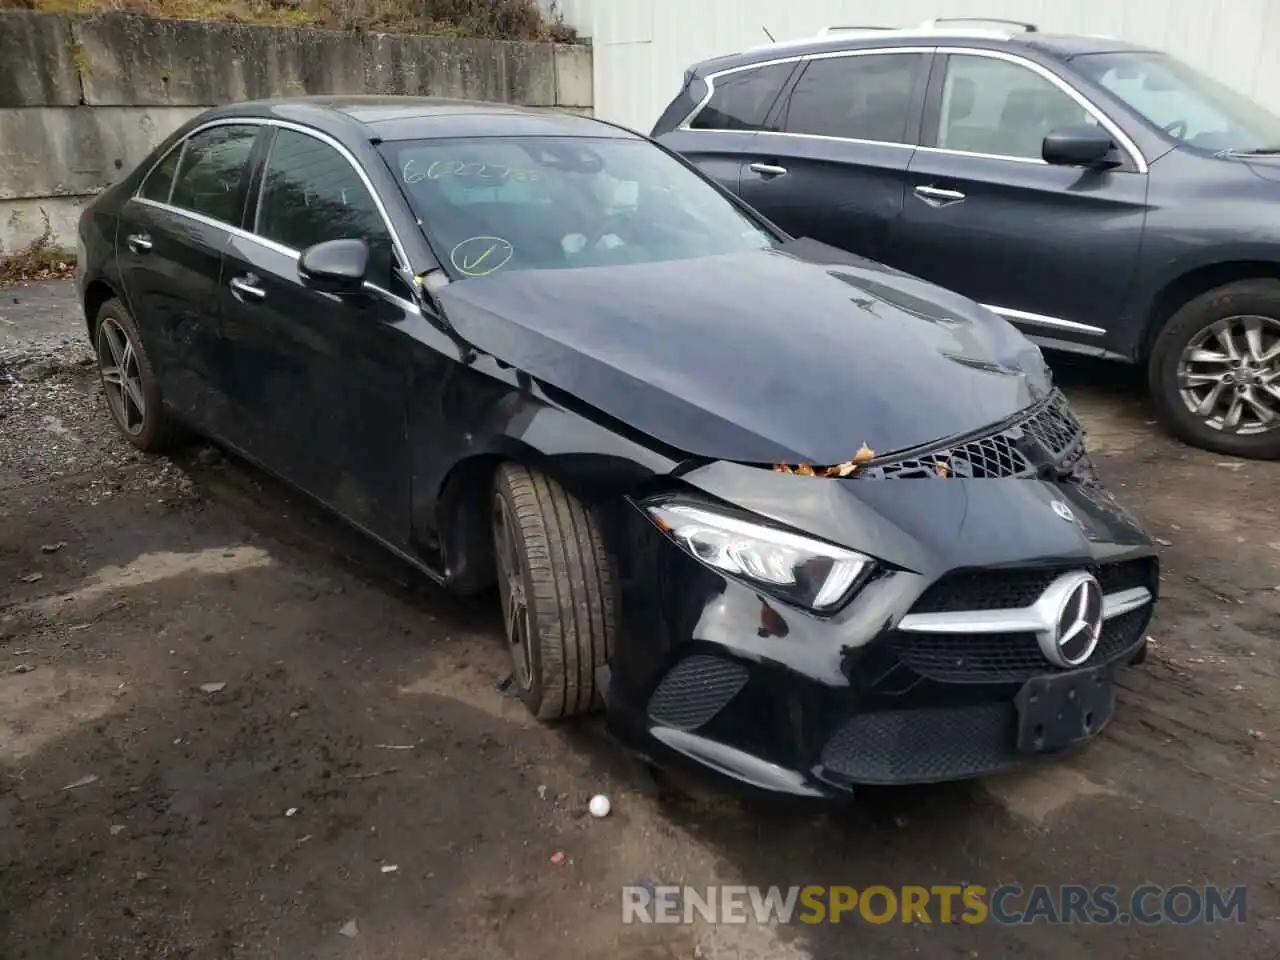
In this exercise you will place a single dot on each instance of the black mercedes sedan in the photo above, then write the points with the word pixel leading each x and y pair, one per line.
pixel 789 515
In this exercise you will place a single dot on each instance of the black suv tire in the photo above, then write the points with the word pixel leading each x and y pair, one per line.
pixel 1259 298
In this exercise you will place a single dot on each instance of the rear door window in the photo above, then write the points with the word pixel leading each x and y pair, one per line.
pixel 212 172
pixel 864 97
pixel 159 181
pixel 742 100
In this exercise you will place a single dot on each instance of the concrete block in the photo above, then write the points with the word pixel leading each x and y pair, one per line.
pixel 530 74
pixel 424 66
pixel 62 151
pixel 575 82
pixel 22 221
pixel 37 61
pixel 139 61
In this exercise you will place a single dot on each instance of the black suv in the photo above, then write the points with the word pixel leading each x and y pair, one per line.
pixel 1108 199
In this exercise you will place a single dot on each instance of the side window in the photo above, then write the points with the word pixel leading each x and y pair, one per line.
pixel 866 97
pixel 211 174
pixel 741 101
pixel 311 194
pixel 160 180
pixel 1001 108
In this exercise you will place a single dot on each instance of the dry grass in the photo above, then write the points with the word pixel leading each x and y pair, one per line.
pixel 41 259
pixel 497 19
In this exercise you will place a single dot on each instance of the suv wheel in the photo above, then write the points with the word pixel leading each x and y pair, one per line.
pixel 1215 370
pixel 556 581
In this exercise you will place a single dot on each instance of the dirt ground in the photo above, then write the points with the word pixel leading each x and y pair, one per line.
pixel 224 721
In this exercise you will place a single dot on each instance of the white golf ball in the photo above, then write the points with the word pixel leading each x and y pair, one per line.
pixel 599 805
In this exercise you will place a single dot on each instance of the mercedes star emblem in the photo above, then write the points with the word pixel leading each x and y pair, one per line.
pixel 1062 510
pixel 1078 624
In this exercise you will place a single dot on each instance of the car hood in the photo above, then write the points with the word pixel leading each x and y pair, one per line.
pixel 801 354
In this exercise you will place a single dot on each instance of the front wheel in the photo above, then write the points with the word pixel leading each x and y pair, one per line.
pixel 556 581
pixel 1215 370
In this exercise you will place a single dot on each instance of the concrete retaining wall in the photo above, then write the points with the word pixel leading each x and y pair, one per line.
pixel 84 99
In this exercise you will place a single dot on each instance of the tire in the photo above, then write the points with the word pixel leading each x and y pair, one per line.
pixel 550 552
pixel 115 336
pixel 1197 318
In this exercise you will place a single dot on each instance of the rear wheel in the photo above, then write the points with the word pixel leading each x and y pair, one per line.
pixel 129 381
pixel 556 581
pixel 1215 370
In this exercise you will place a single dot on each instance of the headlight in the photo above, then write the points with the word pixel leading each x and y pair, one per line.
pixel 806 572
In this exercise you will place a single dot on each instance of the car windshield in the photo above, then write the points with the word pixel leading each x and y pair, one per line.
pixel 1185 103
pixel 543 203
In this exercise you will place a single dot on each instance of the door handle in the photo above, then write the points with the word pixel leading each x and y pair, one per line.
pixel 938 197
pixel 246 286
pixel 138 242
pixel 768 169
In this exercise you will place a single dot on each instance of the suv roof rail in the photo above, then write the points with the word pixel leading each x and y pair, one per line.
pixel 842 28
pixel 1026 27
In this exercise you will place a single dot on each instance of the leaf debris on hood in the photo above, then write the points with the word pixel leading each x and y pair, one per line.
pixel 864 455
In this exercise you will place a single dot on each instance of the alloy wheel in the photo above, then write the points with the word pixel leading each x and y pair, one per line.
pixel 121 377
pixel 1229 375
pixel 511 586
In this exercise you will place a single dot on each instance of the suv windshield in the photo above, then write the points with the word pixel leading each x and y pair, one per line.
pixel 1182 101
pixel 543 203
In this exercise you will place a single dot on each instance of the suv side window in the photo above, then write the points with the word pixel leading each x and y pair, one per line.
pixel 311 193
pixel 1000 108
pixel 211 173
pixel 863 97
pixel 159 181
pixel 742 100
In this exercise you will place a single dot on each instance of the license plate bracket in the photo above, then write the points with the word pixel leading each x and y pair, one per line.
pixel 1057 711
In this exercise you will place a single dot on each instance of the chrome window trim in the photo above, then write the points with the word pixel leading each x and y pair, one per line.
pixel 288 126
pixel 401 257
pixel 1041 320
pixel 279 248
pixel 1122 139
pixel 711 79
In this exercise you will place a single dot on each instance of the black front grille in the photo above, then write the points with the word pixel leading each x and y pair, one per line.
pixel 695 690
pixel 1005 657
pixel 1010 589
pixel 1048 436
pixel 923 746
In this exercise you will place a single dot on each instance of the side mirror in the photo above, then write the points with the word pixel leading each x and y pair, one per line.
pixel 1079 146
pixel 335 266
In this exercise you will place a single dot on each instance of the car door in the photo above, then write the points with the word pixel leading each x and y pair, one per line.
pixel 170 241
pixel 1052 248
pixel 738 104
pixel 328 375
pixel 832 162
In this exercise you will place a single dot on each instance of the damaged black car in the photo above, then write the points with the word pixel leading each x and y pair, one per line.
pixel 787 514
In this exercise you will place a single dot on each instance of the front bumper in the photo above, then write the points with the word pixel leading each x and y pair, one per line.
pixel 708 671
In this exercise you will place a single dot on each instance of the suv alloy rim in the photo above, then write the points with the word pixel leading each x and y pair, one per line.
pixel 1229 375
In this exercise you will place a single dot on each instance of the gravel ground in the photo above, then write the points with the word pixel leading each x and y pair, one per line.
pixel 224 720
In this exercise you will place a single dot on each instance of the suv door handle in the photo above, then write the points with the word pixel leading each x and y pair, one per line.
pixel 768 169
pixel 138 242
pixel 246 287
pixel 938 197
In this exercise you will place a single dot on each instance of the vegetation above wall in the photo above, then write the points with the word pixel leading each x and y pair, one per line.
pixel 493 19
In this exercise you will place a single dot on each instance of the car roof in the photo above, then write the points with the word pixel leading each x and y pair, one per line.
pixel 840 39
pixel 376 117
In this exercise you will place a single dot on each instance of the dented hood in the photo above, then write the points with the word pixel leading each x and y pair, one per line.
pixel 801 354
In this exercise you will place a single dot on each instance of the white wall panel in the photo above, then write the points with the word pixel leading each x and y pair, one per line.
pixel 642 47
